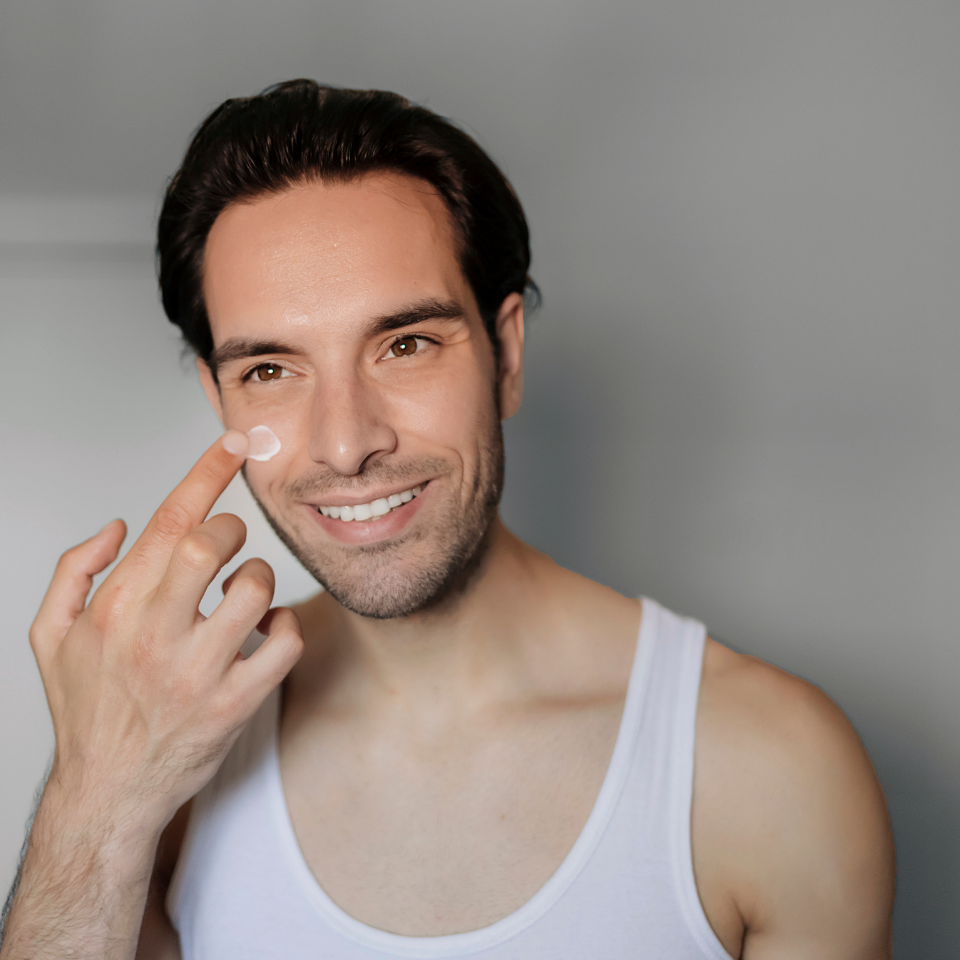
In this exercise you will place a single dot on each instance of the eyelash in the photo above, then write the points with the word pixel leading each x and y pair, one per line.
pixel 267 363
pixel 403 336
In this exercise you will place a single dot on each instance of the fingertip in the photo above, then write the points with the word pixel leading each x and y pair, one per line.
pixel 247 566
pixel 114 532
pixel 285 615
pixel 112 536
pixel 236 443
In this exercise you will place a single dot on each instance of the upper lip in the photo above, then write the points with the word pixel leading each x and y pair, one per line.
pixel 346 501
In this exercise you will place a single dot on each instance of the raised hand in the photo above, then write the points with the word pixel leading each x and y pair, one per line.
pixel 147 696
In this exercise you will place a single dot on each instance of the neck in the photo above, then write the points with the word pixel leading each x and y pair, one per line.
pixel 454 658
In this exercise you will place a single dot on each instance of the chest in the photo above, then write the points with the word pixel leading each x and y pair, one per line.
pixel 432 835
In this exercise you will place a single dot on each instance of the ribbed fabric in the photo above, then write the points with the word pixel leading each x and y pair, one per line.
pixel 242 888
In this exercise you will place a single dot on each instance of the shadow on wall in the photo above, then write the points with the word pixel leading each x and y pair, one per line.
pixel 574 489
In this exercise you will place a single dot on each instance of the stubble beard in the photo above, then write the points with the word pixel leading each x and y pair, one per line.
pixel 420 570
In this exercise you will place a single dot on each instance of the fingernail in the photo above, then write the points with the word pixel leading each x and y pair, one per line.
pixel 235 442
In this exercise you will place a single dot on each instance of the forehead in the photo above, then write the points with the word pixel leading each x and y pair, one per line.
pixel 329 254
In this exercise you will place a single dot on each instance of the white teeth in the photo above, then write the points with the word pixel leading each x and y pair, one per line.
pixel 376 508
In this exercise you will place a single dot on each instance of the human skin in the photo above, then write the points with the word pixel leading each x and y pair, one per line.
pixel 772 751
pixel 146 697
pixel 356 422
pixel 472 737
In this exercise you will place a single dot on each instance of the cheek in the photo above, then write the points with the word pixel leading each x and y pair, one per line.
pixel 448 411
pixel 287 421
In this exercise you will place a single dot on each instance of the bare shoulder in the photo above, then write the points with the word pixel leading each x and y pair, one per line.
pixel 790 827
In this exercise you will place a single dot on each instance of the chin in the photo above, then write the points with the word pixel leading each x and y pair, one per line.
pixel 386 598
pixel 430 564
pixel 388 581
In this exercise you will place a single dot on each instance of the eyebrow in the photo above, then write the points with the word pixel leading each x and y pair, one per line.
pixel 242 348
pixel 419 312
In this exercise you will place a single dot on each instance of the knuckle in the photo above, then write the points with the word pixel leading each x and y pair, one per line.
pixel 231 523
pixel 226 709
pixel 296 643
pixel 36 637
pixel 196 551
pixel 290 645
pixel 107 610
pixel 288 618
pixel 102 617
pixel 209 468
pixel 172 521
pixel 210 471
pixel 253 591
pixel 68 560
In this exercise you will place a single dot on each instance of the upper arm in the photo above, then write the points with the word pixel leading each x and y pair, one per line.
pixel 790 828
pixel 158 938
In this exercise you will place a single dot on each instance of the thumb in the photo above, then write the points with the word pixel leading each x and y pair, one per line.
pixel 67 594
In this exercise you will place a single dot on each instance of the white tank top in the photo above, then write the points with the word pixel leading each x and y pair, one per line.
pixel 242 888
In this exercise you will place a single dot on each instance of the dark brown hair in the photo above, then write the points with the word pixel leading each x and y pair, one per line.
pixel 299 130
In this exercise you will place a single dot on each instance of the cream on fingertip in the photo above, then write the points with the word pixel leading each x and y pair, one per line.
pixel 264 443
pixel 235 442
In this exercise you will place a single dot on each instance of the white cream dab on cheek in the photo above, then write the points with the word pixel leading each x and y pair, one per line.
pixel 264 443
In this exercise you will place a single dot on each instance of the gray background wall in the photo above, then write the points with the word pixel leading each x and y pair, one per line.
pixel 743 388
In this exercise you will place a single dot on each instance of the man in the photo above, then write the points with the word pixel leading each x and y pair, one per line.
pixel 473 752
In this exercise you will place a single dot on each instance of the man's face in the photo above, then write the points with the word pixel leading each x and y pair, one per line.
pixel 341 320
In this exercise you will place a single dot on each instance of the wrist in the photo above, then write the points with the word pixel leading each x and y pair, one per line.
pixel 99 831
pixel 83 883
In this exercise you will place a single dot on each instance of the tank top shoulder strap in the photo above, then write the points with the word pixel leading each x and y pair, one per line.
pixel 663 769
pixel 626 884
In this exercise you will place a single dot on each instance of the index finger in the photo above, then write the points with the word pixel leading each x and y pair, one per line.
pixel 192 498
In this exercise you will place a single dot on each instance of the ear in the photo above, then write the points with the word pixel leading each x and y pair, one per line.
pixel 210 387
pixel 510 337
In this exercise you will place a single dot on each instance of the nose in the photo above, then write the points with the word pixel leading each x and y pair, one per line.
pixel 348 425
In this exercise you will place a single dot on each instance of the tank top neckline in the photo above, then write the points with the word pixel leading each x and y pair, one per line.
pixel 473 941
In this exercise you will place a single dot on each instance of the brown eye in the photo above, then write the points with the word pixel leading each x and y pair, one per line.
pixel 269 371
pixel 405 347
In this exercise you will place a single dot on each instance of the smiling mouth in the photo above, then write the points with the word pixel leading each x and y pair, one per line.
pixel 375 508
